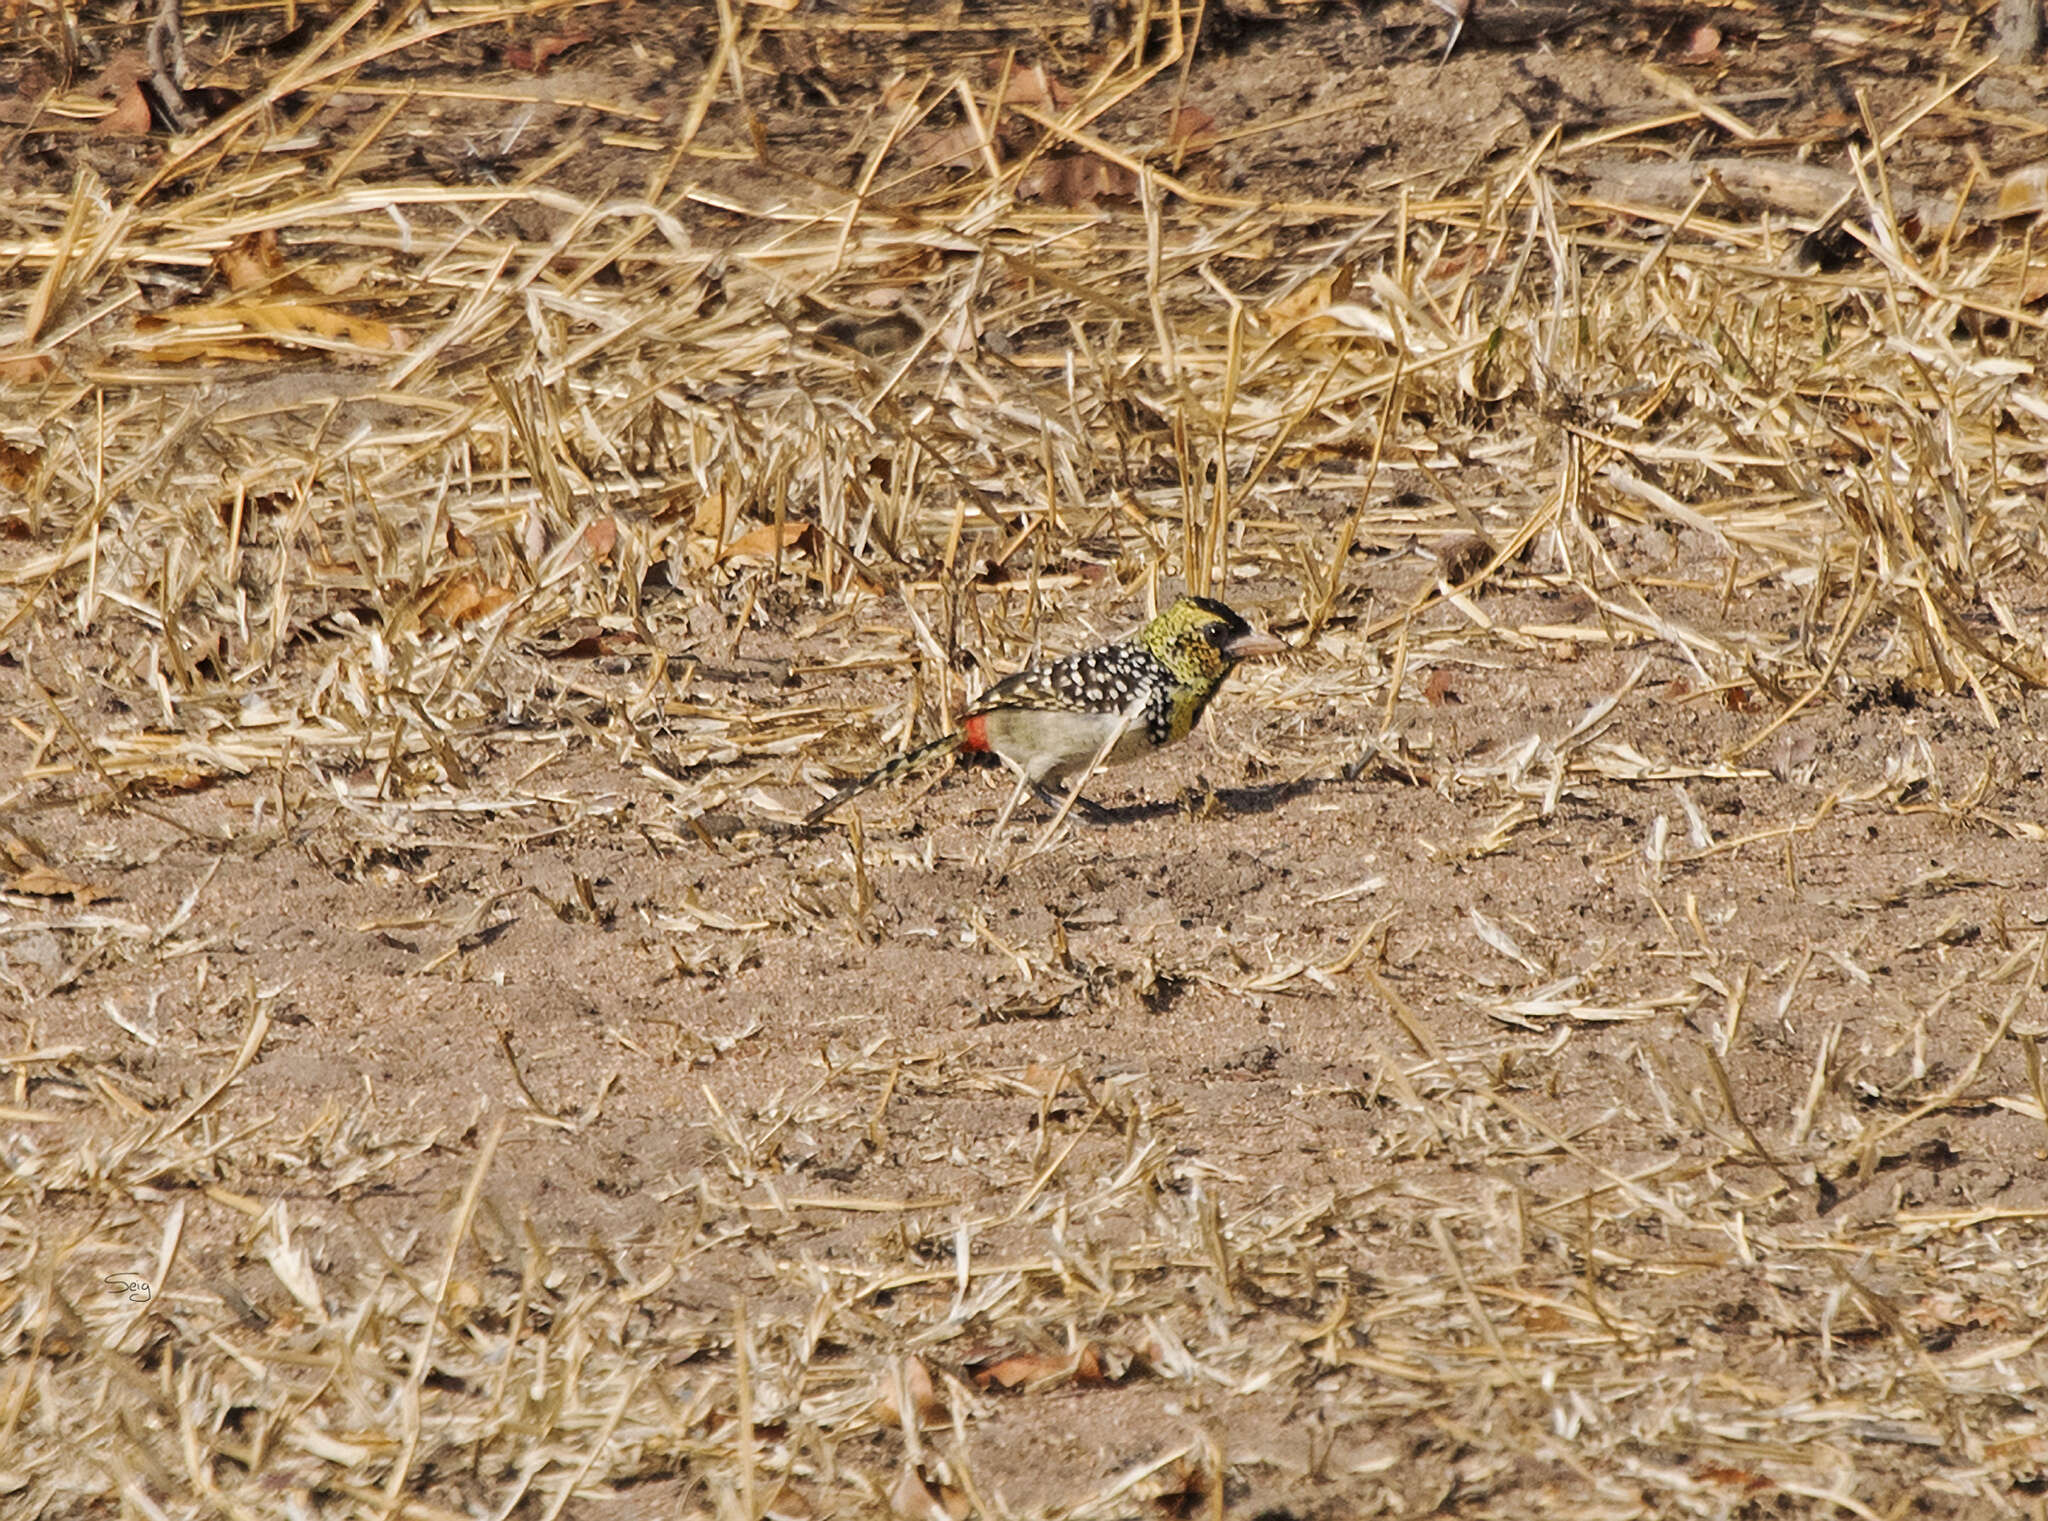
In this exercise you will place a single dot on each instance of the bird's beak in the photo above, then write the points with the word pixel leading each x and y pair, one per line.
pixel 1249 646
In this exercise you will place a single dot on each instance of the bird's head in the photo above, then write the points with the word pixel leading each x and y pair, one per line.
pixel 1201 638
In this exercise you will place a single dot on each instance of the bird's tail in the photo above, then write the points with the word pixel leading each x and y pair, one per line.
pixel 901 766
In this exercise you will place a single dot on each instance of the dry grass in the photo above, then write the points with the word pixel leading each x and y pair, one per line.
pixel 339 457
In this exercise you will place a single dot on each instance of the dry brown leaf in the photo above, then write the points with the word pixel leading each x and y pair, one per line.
pixel 25 369
pixel 1044 1079
pixel 130 116
pixel 1703 45
pixel 120 83
pixel 1734 1478
pixel 916 1385
pixel 600 642
pixel 881 298
pixel 2023 192
pixel 1545 1320
pixel 1190 129
pixel 257 262
pixel 790 1503
pixel 1459 262
pixel 916 1498
pixel 17 466
pixel 172 777
pixel 1944 1311
pixel 337 279
pixel 287 320
pixel 1309 299
pixel 251 263
pixel 42 882
pixel 761 543
pixel 1018 1370
pixel 1440 690
pixel 955 148
pixel 708 516
pixel 465 599
pixel 290 319
pixel 1188 1486
pixel 600 538
pixel 1076 180
pixel 533 59
pixel 1035 87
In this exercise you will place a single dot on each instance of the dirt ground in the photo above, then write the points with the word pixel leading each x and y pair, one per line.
pixel 1564 1045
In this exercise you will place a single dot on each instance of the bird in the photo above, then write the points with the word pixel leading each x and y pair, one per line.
pixel 1116 701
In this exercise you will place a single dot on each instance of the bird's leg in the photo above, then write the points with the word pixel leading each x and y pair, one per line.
pixel 1010 807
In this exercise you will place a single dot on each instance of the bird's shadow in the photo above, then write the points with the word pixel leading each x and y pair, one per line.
pixel 1207 802
pixel 1212 802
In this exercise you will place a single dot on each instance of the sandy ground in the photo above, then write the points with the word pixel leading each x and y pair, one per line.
pixel 1466 1099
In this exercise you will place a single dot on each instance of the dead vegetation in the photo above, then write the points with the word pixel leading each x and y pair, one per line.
pixel 477 389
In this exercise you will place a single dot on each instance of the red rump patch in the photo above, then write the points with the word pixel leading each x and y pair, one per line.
pixel 974 733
